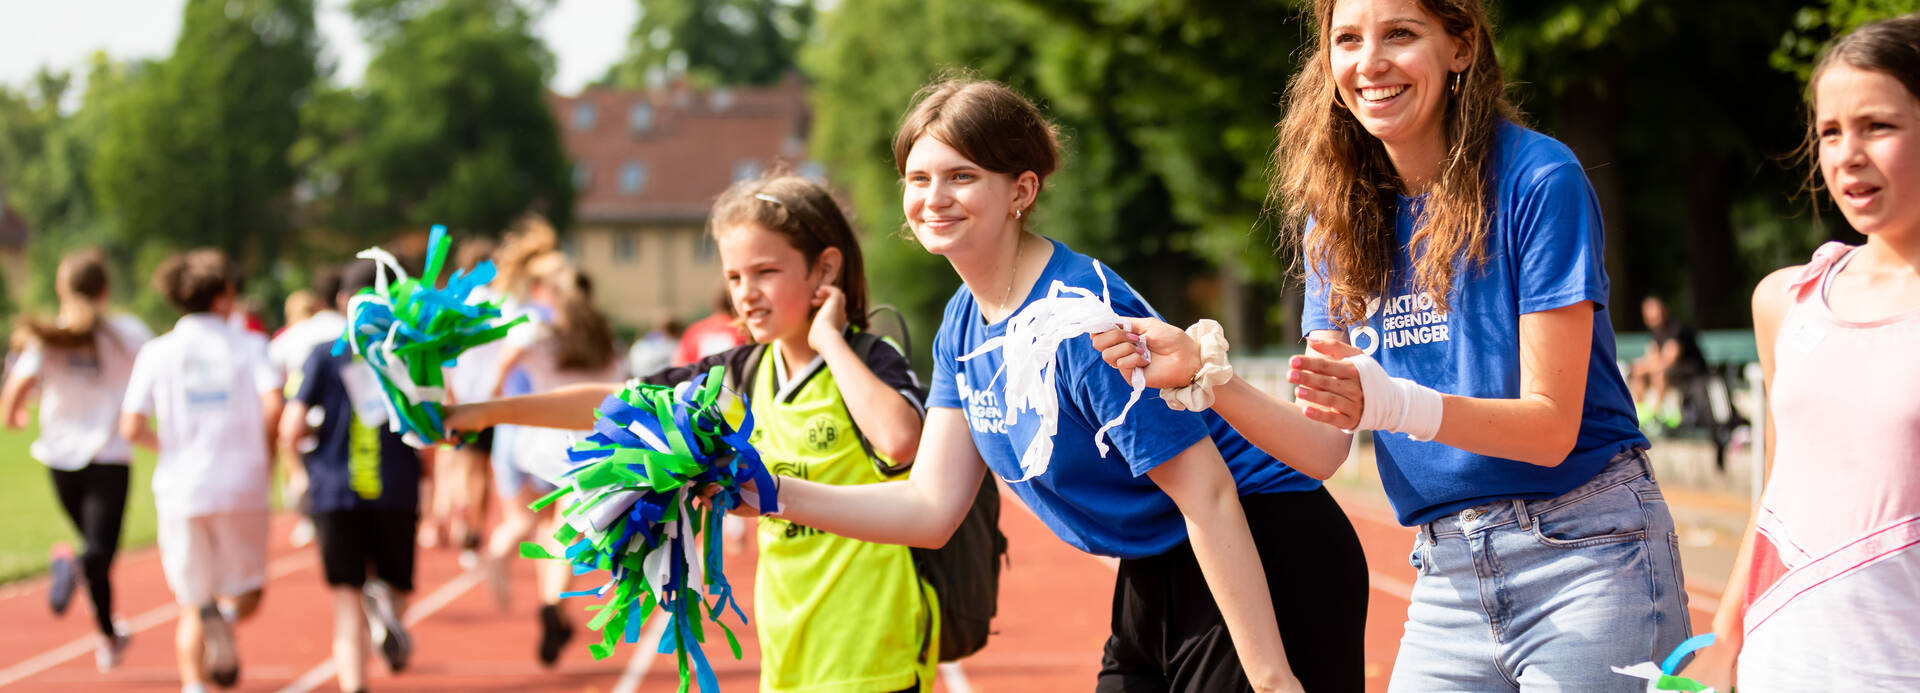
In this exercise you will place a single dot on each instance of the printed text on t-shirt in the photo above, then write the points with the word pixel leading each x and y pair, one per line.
pixel 1409 319
pixel 984 412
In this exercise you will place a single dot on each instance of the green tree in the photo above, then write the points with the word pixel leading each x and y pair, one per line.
pixel 45 155
pixel 1682 126
pixel 1822 20
pixel 451 124
pixel 194 151
pixel 714 42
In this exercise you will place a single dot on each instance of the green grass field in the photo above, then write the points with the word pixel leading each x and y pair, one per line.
pixel 31 514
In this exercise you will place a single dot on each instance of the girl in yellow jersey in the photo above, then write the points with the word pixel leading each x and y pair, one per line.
pixel 834 615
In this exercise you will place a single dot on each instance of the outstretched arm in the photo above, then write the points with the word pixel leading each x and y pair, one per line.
pixel 1198 482
pixel 921 511
pixel 1539 426
pixel 571 408
pixel 1278 427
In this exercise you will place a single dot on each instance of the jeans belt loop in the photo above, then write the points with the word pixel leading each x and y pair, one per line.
pixel 1520 513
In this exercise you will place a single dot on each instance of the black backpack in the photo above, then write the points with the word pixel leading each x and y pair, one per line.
pixel 965 574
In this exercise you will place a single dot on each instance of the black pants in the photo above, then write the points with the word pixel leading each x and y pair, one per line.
pixel 95 498
pixel 1168 634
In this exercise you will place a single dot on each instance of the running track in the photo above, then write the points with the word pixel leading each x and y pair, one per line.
pixel 1052 624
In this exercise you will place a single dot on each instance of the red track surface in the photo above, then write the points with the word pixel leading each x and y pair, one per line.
pixel 1052 623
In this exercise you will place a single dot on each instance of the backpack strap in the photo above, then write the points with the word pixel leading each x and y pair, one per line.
pixel 741 379
pixel 863 344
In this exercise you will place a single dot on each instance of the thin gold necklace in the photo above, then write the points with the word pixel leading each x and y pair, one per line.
pixel 1015 279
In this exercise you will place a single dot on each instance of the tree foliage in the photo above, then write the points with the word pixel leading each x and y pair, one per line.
pixel 450 125
pixel 1821 21
pixel 714 42
pixel 194 151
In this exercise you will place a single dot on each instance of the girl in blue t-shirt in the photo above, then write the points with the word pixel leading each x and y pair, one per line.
pixel 1475 342
pixel 1213 535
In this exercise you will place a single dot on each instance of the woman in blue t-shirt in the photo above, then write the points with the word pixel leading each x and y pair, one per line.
pixel 1236 572
pixel 1483 361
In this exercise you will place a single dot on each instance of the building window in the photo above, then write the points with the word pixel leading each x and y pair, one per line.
pixel 745 169
pixel 640 118
pixel 582 176
pixel 584 116
pixel 633 177
pixel 623 247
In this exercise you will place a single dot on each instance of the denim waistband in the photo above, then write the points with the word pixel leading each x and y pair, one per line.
pixel 1624 467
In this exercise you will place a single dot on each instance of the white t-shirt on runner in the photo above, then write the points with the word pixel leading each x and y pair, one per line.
pixel 543 451
pixel 202 384
pixel 80 394
pixel 289 350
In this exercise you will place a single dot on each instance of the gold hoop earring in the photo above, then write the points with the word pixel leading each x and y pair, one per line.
pixel 1456 84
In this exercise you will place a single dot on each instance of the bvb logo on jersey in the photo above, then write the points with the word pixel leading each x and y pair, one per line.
pixel 823 432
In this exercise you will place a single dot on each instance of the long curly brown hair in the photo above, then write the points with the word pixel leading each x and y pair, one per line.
pixel 1330 170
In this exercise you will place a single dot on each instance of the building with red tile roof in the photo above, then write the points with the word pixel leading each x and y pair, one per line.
pixel 648 165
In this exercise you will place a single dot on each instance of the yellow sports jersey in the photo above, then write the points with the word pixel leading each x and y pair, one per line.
pixel 834 615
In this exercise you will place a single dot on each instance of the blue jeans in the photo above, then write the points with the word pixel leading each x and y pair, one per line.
pixel 1546 595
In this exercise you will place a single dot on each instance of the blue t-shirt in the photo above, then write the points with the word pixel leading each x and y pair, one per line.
pixel 1104 506
pixel 353 466
pixel 1547 251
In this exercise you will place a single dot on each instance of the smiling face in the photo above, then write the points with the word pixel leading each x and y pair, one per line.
pixel 1391 63
pixel 954 205
pixel 1867 127
pixel 770 283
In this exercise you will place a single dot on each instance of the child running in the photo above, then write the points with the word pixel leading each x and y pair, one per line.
pixel 363 495
pixel 832 613
pixel 576 346
pixel 81 362
pixel 215 397
pixel 321 323
pixel 1825 593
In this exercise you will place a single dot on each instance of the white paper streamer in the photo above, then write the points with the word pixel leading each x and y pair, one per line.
pixel 1651 672
pixel 1030 352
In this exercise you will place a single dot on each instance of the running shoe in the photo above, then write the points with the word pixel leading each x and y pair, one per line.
pixel 395 644
pixel 555 631
pixel 108 652
pixel 222 657
pixel 60 566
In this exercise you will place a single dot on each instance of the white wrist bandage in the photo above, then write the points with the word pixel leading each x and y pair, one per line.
pixel 1214 370
pixel 1398 405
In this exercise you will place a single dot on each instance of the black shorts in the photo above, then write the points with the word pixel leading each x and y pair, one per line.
pixel 358 543
pixel 1168 634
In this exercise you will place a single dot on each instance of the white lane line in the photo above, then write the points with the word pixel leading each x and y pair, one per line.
pixel 417 612
pixel 145 621
pixel 954 679
pixel 642 657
